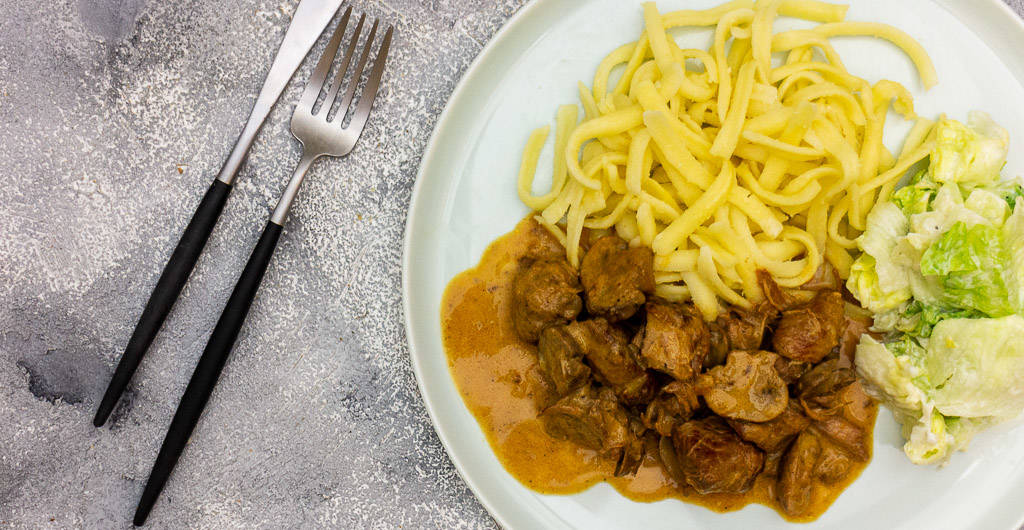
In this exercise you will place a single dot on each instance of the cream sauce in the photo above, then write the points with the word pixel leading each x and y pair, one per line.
pixel 500 381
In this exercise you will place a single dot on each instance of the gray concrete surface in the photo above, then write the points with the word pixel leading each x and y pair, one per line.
pixel 114 116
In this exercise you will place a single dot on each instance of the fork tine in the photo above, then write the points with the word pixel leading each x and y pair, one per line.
pixel 339 77
pixel 316 81
pixel 356 74
pixel 370 90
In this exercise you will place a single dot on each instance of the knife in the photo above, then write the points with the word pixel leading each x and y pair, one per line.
pixel 308 22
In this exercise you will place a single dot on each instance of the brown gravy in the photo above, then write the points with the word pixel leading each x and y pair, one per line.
pixel 501 384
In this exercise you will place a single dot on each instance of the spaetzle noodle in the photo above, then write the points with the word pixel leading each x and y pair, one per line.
pixel 767 155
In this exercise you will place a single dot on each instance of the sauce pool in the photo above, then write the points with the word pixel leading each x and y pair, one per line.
pixel 501 383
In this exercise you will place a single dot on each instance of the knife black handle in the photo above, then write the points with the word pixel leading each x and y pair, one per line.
pixel 208 370
pixel 166 292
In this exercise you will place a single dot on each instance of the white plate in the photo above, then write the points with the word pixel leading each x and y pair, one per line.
pixel 465 198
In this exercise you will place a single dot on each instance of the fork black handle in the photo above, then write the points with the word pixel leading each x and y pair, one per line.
pixel 168 288
pixel 209 368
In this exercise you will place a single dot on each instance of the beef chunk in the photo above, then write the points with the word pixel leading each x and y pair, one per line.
pixel 856 322
pixel 746 388
pixel 712 459
pixel 846 435
pixel 633 451
pixel 773 435
pixel 561 360
pixel 772 463
pixel 674 404
pixel 676 340
pixel 790 370
pixel 833 398
pixel 670 459
pixel 826 278
pixel 719 345
pixel 543 245
pixel 777 297
pixel 616 278
pixel 829 389
pixel 585 419
pixel 745 329
pixel 544 293
pixel 595 420
pixel 809 333
pixel 613 359
pixel 833 465
pixel 796 479
pixel 819 386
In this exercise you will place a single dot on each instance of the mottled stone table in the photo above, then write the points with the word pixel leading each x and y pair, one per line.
pixel 114 115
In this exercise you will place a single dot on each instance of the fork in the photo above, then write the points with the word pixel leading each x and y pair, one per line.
pixel 320 135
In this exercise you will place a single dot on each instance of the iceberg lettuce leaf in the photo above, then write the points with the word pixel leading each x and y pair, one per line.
pixel 968 262
pixel 971 154
pixel 881 284
pixel 1013 243
pixel 974 366
pixel 928 442
pixel 866 287
pixel 919 318
pixel 988 205
pixel 917 195
pixel 1009 190
pixel 888 378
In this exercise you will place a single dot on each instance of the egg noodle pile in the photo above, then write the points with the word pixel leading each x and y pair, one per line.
pixel 723 161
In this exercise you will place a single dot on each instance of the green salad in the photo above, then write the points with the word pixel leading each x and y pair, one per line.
pixel 943 270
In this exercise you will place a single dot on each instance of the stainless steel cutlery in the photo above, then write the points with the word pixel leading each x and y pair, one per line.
pixel 309 20
pixel 329 128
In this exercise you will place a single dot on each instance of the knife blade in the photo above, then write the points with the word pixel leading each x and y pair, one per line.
pixel 308 22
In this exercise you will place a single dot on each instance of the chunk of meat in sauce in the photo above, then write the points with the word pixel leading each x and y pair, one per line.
pixel 561 360
pixel 616 279
pixel 713 459
pixel 809 333
pixel 633 450
pixel 543 245
pixel 675 340
pixel 746 388
pixel 841 410
pixel 745 329
pixel 773 435
pixel 851 438
pixel 818 386
pixel 833 465
pixel 858 407
pixel 674 404
pixel 613 359
pixel 595 419
pixel 777 297
pixel 789 370
pixel 829 389
pixel 544 293
pixel 796 477
pixel 826 278
pixel 772 463
pixel 719 346
pixel 858 322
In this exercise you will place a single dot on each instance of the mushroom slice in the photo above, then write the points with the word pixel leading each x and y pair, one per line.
pixel 746 388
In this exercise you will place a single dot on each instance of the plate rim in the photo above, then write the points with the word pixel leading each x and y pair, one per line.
pixel 458 92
